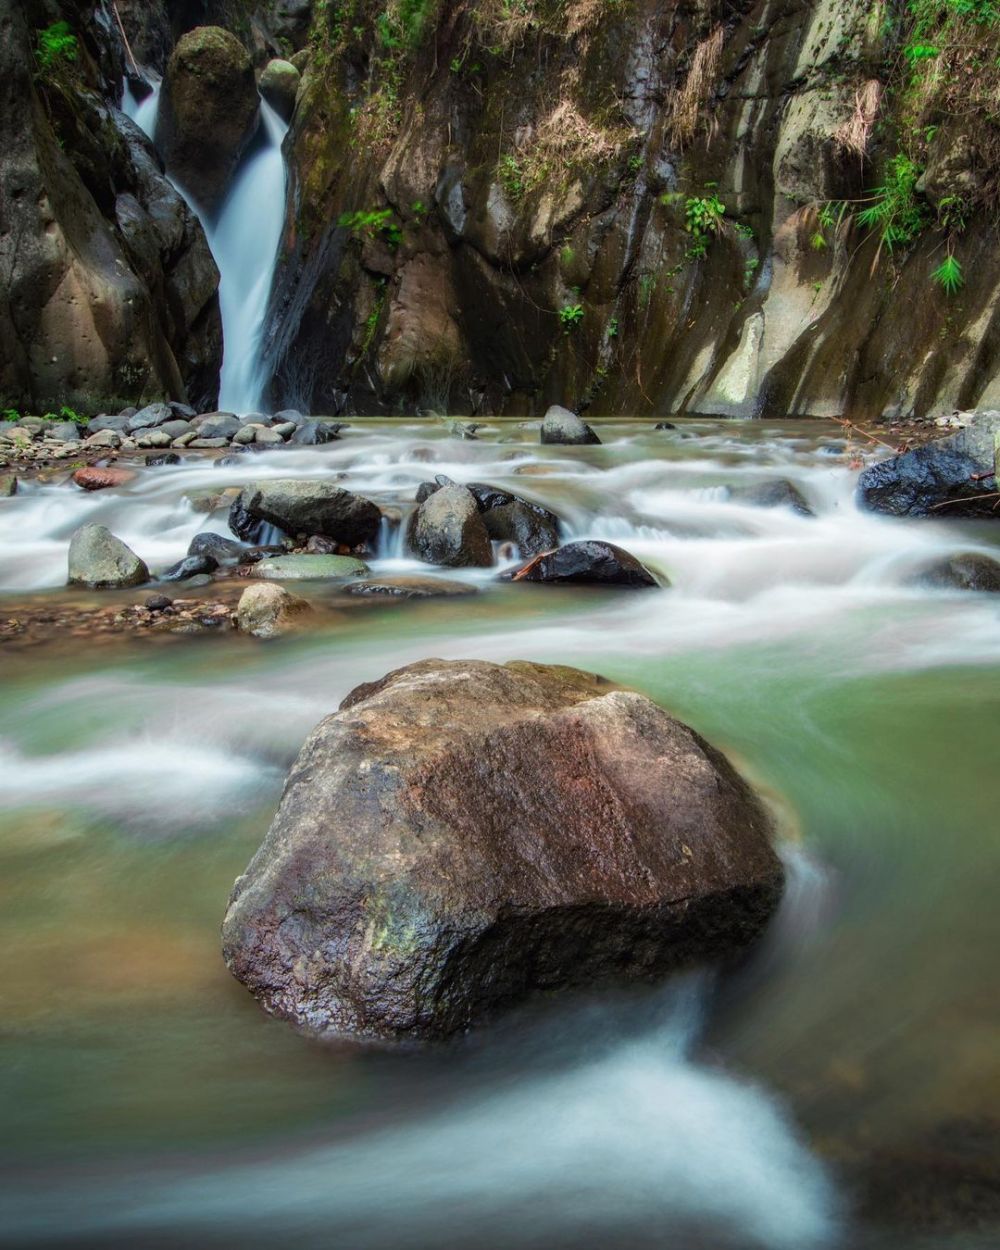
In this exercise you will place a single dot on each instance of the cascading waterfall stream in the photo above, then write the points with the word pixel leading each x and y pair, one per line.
pixel 243 238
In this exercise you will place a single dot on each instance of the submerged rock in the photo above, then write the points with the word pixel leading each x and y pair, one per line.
pixel 411 588
pixel 948 472
pixel 101 561
pixel 562 426
pixel 208 111
pixel 968 571
pixel 447 529
pixel 266 611
pixel 304 507
pixel 307 568
pixel 588 564
pixel 776 493
pixel 461 834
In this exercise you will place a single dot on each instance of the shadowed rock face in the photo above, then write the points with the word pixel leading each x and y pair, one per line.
pixel 461 834
pixel 208 112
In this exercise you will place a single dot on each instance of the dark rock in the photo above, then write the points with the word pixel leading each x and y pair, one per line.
pixel 565 427
pixel 184 411
pixel 279 85
pixel 163 457
pixel 222 550
pixel 208 112
pixel 218 425
pixel 776 493
pixel 190 566
pixel 104 422
pixel 967 571
pixel 234 457
pixel 949 472
pixel 448 529
pixel 289 414
pixel 64 431
pixel 313 433
pixel 158 603
pixel 664 425
pixel 462 834
pixel 150 417
pixel 305 507
pixel 404 587
pixel 531 529
pixel 587 564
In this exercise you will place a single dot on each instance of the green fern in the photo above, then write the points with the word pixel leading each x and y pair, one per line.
pixel 949 276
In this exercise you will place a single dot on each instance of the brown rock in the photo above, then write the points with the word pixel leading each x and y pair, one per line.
pixel 92 478
pixel 462 833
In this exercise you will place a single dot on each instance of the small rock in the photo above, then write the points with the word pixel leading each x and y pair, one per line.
pixel 289 415
pixel 403 587
pixel 664 425
pixel 266 611
pixel 185 411
pixel 103 422
pixel 208 444
pixel 532 530
pixel 104 438
pixel 776 493
pixel 149 417
pixel 246 434
pixel 166 457
pixel 565 427
pixel 177 429
pixel 100 561
pixel 92 478
pixel 268 438
pixel 219 425
pixel 284 428
pixel 8 485
pixel 968 571
pixel 64 432
pixel 222 550
pixel 158 603
pixel 305 507
pixel 588 564
pixel 314 433
pixel 155 438
pixel 190 566
pixel 186 439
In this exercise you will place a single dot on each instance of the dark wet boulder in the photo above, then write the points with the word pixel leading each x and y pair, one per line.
pixel 967 571
pixel 306 507
pixel 462 834
pixel 100 561
pixel 208 112
pixel 587 564
pixel 531 529
pixel 939 479
pixel 403 587
pixel 190 566
pixel 565 427
pixel 222 550
pixel 448 529
pixel 664 425
pixel 162 458
pixel 775 493
pixel 314 433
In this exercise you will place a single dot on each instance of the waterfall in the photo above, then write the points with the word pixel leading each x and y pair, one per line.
pixel 244 237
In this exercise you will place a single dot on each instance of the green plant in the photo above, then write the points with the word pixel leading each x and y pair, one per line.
pixel 372 223
pixel 68 414
pixel 750 271
pixel 401 24
pixel 613 328
pixel 894 211
pixel 570 315
pixel 57 45
pixel 511 176
pixel 702 219
pixel 949 276
pixel 11 414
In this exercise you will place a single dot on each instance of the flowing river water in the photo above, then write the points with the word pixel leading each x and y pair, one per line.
pixel 840 1090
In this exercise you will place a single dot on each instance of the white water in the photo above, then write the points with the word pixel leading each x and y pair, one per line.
pixel 244 238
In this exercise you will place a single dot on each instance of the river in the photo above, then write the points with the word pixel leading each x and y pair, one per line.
pixel 840 1090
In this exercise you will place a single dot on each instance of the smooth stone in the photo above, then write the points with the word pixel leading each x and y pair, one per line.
pixel 100 561
pixel 149 417
pixel 315 433
pixel 104 438
pixel 64 432
pixel 306 507
pixel 967 571
pixel 268 438
pixel 184 411
pixel 185 439
pixel 279 85
pixel 163 458
pixel 103 422
pixel 775 493
pixel 178 428
pixel 405 587
pixel 208 444
pixel 218 425
pixel 246 434
pixel 447 529
pixel 223 550
pixel 560 426
pixel 309 568
pixel 532 530
pixel 90 477
pixel 265 611
pixel 285 428
pixel 155 438
pixel 588 564
pixel 190 566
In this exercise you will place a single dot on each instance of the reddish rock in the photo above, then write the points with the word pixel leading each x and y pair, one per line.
pixel 92 478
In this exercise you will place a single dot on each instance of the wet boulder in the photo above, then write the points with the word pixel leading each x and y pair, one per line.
pixel 775 493
pixel 462 834
pixel 222 550
pixel 266 610
pixel 91 477
pixel 218 425
pixel 100 561
pixel 190 566
pixel 966 571
pixel 448 529
pixel 588 564
pixel 314 433
pixel 562 426
pixel 279 85
pixel 508 518
pixel 208 112
pixel 939 479
pixel 306 507
pixel 150 417
pixel 402 587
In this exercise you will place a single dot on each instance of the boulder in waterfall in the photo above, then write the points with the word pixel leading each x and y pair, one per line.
pixel 448 529
pixel 776 492
pixel 266 610
pixel 462 834
pixel 588 563
pixel 279 85
pixel 306 507
pixel 940 479
pixel 208 112
pixel 562 426
pixel 101 561
pixel 966 571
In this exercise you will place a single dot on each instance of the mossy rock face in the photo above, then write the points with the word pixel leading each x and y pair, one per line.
pixel 279 85
pixel 208 112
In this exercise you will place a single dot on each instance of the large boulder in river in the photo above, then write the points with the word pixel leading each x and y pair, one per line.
pixel 939 479
pixel 208 112
pixel 507 517
pixel 462 833
pixel 562 426
pixel 589 563
pixel 447 529
pixel 305 507
pixel 103 562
